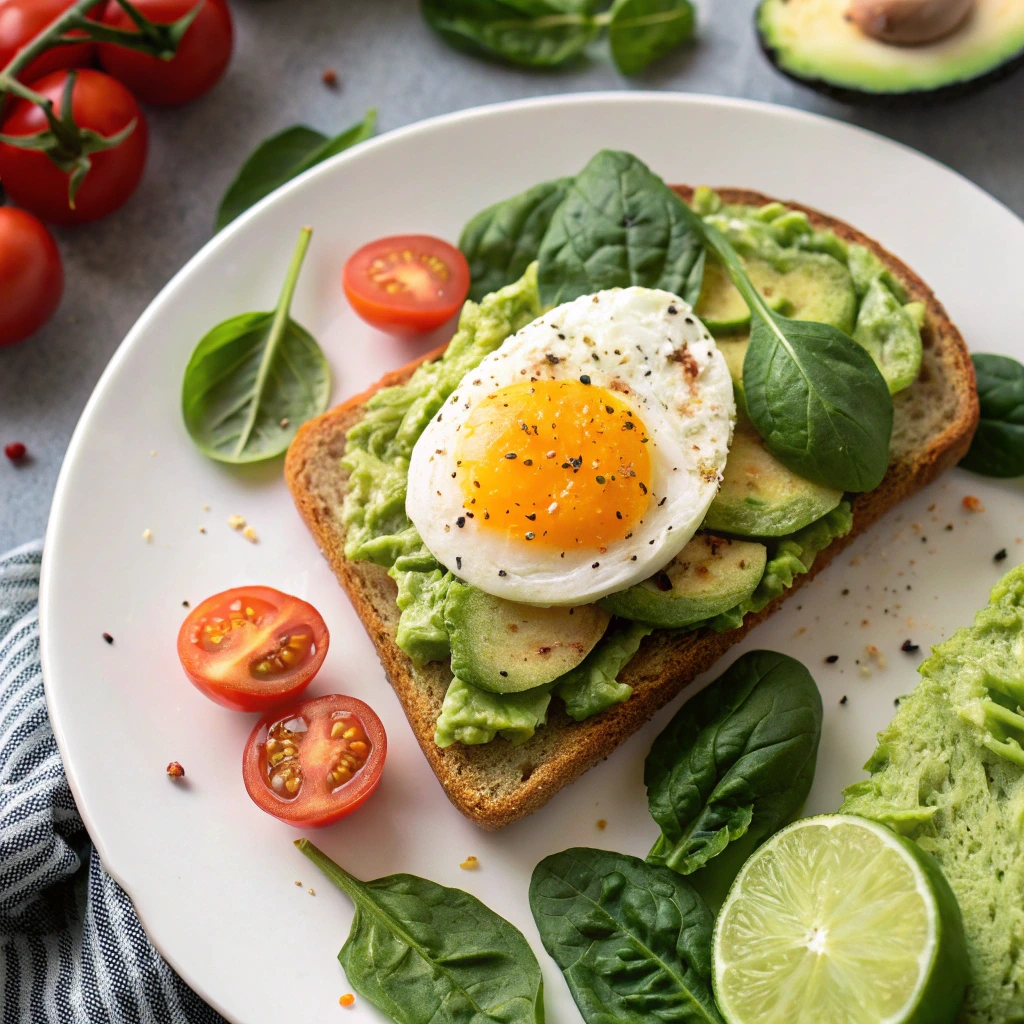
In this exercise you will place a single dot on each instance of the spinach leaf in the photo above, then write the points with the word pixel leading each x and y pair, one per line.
pixel 426 954
pixel 814 395
pixel 998 446
pixel 737 760
pixel 254 380
pixel 282 157
pixel 620 225
pixel 642 31
pixel 633 940
pixel 502 241
pixel 535 33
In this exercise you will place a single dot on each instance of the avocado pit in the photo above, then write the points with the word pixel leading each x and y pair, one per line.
pixel 909 22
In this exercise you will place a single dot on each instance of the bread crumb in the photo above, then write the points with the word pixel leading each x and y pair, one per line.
pixel 602 824
pixel 236 522
pixel 470 864
pixel 147 535
pixel 202 529
pixel 298 883
pixel 312 892
pixel 347 999
pixel 973 504
pixel 206 508
pixel 152 454
pixel 250 535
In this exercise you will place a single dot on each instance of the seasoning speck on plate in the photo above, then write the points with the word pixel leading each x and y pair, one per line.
pixel 175 771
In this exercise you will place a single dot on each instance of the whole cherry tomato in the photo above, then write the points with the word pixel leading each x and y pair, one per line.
pixel 35 182
pixel 311 763
pixel 22 20
pixel 406 284
pixel 31 275
pixel 202 56
pixel 251 648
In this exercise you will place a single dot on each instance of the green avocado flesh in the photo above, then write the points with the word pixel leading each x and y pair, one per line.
pixel 759 496
pixel 812 286
pixel 709 576
pixel 814 41
pixel 949 773
pixel 506 647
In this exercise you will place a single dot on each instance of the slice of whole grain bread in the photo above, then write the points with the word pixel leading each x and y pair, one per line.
pixel 496 783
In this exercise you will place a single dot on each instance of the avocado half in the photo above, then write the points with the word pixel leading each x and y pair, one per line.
pixel 813 42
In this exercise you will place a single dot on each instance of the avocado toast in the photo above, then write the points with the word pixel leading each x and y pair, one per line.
pixel 497 782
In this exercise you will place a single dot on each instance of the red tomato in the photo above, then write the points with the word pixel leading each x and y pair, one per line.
pixel 22 20
pixel 202 55
pixel 31 275
pixel 315 762
pixel 251 648
pixel 406 283
pixel 32 180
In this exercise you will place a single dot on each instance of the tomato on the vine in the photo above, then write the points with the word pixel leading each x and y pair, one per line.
pixel 31 275
pixel 35 182
pixel 22 20
pixel 251 648
pixel 314 762
pixel 202 56
pixel 406 283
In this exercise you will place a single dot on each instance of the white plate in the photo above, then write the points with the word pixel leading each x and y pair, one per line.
pixel 212 877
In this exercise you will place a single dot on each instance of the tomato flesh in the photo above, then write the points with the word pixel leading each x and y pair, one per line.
pixel 406 284
pixel 36 183
pixel 252 648
pixel 202 57
pixel 312 763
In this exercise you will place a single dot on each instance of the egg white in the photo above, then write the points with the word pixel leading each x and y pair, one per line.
pixel 647 346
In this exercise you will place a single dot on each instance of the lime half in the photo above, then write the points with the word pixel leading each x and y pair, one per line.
pixel 837 920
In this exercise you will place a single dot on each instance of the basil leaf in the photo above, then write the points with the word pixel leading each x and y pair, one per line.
pixel 633 940
pixel 998 446
pixel 642 31
pixel 619 225
pixel 500 242
pixel 736 761
pixel 282 157
pixel 254 380
pixel 426 954
pixel 535 33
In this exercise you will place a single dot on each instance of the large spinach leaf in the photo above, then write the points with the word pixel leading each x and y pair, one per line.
pixel 282 157
pixel 642 31
pixel 426 954
pixel 814 395
pixel 633 940
pixel 502 241
pixel 254 380
pixel 535 33
pixel 998 446
pixel 620 225
pixel 737 760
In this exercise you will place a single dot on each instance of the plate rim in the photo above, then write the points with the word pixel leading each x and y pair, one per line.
pixel 58 512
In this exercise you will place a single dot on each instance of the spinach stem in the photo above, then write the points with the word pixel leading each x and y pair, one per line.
pixel 277 329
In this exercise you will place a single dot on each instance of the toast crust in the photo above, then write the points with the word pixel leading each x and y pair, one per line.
pixel 495 784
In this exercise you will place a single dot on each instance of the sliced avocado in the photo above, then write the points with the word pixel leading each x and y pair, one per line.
pixel 814 42
pixel 735 351
pixel 805 285
pixel 505 647
pixel 709 576
pixel 759 496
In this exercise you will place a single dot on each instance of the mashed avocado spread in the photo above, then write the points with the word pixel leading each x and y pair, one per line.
pixel 803 272
pixel 949 773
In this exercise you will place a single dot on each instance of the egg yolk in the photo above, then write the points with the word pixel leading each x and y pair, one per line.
pixel 557 463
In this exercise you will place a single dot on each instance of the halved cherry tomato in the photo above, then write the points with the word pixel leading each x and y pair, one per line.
pixel 406 284
pixel 252 648
pixel 314 762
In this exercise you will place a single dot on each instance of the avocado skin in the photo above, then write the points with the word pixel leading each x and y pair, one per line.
pixel 866 97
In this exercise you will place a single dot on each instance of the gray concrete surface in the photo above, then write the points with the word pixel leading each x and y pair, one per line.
pixel 385 57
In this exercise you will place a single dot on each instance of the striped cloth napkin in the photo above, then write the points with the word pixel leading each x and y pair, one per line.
pixel 72 950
